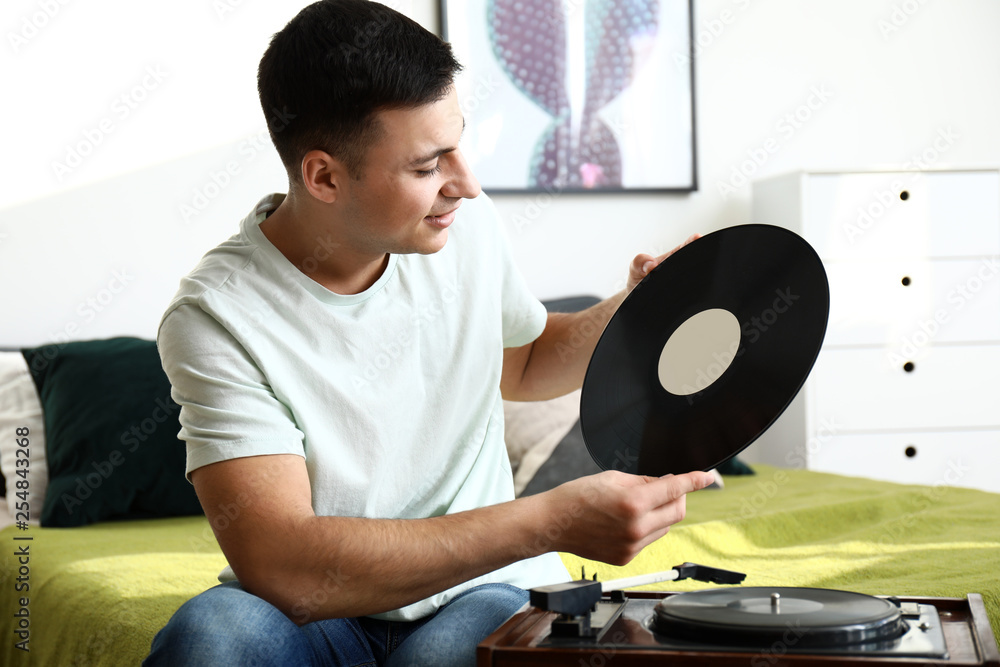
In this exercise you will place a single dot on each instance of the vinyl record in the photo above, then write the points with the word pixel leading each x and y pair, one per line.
pixel 759 616
pixel 706 352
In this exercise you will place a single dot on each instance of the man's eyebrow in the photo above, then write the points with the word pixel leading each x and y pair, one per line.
pixel 433 156
pixel 424 159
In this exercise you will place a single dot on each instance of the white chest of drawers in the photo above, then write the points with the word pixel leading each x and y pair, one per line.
pixel 907 385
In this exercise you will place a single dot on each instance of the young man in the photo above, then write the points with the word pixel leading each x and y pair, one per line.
pixel 340 365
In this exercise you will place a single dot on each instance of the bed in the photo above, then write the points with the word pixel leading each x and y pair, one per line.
pixel 100 592
pixel 95 584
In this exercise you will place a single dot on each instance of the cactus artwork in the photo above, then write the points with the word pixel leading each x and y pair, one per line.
pixel 572 58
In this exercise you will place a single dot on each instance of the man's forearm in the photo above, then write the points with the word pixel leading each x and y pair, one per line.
pixel 339 567
pixel 313 568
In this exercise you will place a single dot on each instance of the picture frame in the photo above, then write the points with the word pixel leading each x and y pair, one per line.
pixel 576 95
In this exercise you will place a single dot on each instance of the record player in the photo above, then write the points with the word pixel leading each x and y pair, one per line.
pixel 698 361
pixel 589 623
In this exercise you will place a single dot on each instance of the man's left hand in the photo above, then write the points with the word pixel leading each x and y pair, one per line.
pixel 643 263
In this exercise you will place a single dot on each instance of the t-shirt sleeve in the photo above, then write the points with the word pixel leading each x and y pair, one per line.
pixel 227 407
pixel 524 316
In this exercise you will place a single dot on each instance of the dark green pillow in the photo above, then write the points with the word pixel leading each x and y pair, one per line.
pixel 735 466
pixel 111 433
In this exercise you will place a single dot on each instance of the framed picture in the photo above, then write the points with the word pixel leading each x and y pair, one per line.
pixel 576 95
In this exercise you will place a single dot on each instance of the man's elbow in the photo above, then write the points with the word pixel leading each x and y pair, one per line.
pixel 303 588
pixel 297 595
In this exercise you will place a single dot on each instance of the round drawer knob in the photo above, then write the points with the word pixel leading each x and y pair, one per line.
pixel 906 281
pixel 910 451
pixel 909 367
pixel 904 195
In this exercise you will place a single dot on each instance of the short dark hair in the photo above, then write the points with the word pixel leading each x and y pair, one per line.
pixel 326 75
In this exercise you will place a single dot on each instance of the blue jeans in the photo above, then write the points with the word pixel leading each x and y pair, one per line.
pixel 226 625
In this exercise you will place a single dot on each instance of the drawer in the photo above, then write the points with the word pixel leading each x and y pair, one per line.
pixel 905 303
pixel 870 389
pixel 903 214
pixel 961 458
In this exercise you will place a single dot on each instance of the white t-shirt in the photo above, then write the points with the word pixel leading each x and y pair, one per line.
pixel 391 395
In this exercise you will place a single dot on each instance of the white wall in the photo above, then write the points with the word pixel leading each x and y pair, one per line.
pixel 161 96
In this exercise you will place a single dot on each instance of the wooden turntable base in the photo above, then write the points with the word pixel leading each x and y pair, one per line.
pixel 967 632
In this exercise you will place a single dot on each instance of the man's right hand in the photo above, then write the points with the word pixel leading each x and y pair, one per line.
pixel 611 516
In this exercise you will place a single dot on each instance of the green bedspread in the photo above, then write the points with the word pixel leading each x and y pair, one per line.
pixel 99 594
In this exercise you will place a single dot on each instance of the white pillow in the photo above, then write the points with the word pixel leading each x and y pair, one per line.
pixel 533 429
pixel 20 408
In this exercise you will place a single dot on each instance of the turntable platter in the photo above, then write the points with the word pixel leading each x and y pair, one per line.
pixel 760 616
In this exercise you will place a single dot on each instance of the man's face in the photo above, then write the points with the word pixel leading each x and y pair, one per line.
pixel 413 181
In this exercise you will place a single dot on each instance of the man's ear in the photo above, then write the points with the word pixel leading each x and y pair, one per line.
pixel 322 175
